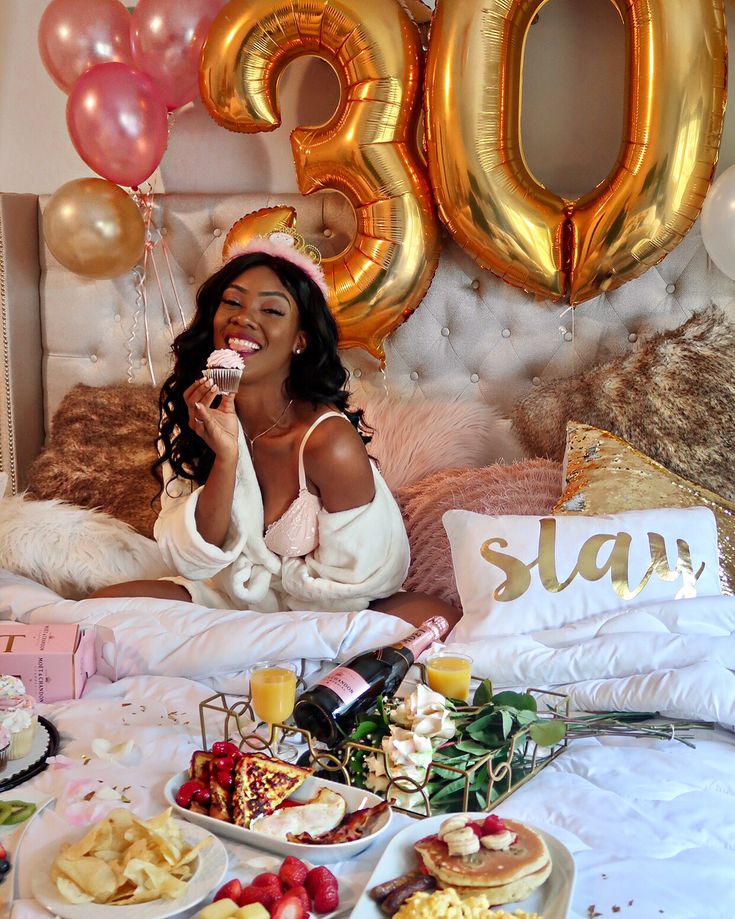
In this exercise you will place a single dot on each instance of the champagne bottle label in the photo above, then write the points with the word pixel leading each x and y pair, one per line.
pixel 345 683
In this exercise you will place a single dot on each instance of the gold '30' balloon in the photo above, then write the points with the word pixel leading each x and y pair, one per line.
pixel 495 208
pixel 366 151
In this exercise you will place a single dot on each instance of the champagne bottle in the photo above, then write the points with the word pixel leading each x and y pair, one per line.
pixel 329 708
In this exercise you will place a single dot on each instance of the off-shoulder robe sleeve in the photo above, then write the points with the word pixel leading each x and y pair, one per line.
pixel 181 544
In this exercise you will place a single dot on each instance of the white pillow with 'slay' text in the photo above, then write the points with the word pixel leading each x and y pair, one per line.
pixel 518 574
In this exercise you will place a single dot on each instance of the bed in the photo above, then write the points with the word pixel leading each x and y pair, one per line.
pixel 651 823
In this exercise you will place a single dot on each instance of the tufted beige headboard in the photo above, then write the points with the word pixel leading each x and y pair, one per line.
pixel 473 337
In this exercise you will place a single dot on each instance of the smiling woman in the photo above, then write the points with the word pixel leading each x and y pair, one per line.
pixel 269 498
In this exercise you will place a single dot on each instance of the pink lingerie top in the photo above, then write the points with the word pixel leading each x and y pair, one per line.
pixel 296 532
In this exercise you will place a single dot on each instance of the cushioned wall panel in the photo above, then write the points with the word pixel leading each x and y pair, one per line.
pixel 473 337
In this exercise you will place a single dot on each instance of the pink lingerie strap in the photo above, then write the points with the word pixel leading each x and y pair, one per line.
pixel 296 533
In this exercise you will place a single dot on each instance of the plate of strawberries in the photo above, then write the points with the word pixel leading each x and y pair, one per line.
pixel 292 889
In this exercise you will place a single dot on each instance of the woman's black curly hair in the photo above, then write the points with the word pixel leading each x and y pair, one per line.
pixel 317 374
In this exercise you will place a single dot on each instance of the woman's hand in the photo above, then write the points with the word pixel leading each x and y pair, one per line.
pixel 218 427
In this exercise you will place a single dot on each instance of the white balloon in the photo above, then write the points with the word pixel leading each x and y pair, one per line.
pixel 718 222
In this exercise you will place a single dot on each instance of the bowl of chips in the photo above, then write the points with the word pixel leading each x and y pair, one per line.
pixel 139 869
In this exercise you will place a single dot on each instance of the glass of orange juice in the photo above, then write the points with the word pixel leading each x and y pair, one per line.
pixel 273 696
pixel 449 673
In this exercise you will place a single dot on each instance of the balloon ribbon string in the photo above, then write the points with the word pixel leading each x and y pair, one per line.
pixel 164 246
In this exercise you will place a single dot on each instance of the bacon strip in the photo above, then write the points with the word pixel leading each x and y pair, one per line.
pixel 353 826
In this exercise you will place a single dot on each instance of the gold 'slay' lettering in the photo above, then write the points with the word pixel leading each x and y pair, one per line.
pixel 589 565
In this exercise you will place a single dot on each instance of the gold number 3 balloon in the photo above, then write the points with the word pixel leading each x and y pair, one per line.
pixel 366 151
pixel 495 208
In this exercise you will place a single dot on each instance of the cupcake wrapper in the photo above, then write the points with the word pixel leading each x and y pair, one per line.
pixel 22 741
pixel 226 380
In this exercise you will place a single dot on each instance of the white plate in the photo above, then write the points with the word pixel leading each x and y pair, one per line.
pixel 319 855
pixel 211 868
pixel 551 900
pixel 255 863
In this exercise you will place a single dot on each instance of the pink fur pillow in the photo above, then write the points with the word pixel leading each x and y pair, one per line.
pixel 529 487
pixel 415 438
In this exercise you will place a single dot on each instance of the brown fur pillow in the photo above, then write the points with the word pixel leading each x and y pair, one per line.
pixel 672 398
pixel 100 453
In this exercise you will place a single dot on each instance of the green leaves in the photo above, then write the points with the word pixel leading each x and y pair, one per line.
pixel 486 732
pixel 547 733
pixel 519 701
pixel 483 693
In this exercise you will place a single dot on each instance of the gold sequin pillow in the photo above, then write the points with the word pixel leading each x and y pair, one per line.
pixel 604 475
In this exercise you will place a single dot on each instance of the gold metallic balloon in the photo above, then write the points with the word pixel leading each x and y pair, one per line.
pixel 504 217
pixel 94 228
pixel 366 151
pixel 675 106
pixel 258 223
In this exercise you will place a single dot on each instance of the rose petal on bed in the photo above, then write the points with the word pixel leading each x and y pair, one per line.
pixel 61 761
pixel 127 753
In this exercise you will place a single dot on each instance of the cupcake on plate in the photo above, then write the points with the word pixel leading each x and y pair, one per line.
pixel 225 367
pixel 18 717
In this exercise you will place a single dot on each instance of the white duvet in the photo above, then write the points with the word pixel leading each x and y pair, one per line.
pixel 676 658
pixel 651 824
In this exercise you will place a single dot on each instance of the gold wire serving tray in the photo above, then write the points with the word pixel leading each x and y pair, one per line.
pixel 524 758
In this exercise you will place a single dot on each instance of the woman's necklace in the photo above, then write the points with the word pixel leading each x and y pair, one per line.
pixel 251 440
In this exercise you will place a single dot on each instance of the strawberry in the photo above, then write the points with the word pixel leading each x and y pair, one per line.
pixel 293 872
pixel 290 907
pixel 491 825
pixel 232 890
pixel 323 887
pixel 326 898
pixel 267 880
pixel 186 792
pixel 225 779
pixel 224 748
pixel 252 894
pixel 301 893
pixel 317 877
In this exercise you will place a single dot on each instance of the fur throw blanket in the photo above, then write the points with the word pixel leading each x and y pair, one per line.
pixel 72 550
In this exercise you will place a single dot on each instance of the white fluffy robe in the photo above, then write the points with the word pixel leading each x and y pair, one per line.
pixel 363 553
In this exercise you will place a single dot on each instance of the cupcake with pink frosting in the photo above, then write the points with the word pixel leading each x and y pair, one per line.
pixel 224 368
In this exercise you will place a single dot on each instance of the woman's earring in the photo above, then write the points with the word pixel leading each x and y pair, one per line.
pixel 298 351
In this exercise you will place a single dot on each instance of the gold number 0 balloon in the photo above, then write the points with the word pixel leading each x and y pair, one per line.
pixel 366 151
pixel 486 195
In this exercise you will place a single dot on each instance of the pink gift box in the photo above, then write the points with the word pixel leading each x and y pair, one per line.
pixel 53 661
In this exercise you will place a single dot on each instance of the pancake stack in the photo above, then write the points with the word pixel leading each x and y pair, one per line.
pixel 503 876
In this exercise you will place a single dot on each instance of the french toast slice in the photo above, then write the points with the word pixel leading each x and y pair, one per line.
pixel 220 805
pixel 261 784
pixel 199 766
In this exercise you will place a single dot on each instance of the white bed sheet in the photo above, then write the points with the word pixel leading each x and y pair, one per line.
pixel 651 824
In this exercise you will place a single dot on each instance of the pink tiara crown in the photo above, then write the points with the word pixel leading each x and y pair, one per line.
pixel 289 245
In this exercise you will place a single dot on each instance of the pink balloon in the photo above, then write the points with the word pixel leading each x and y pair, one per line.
pixel 167 38
pixel 118 123
pixel 75 35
